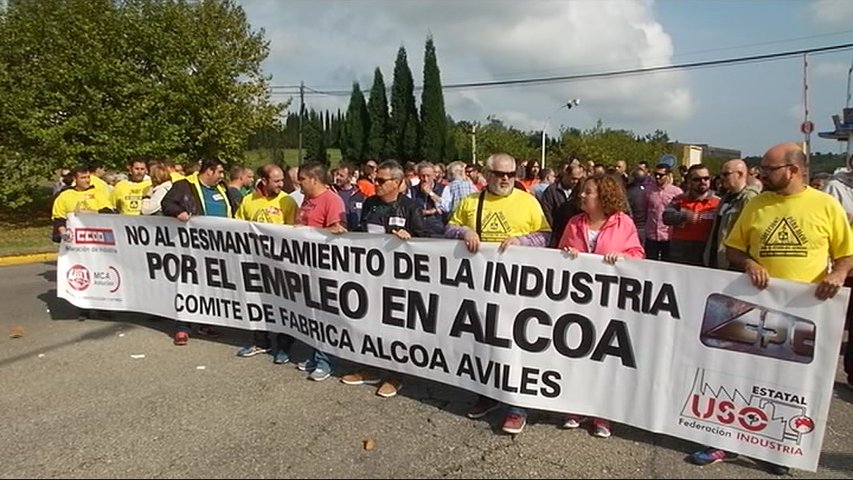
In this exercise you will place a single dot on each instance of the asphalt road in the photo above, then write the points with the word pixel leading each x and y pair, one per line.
pixel 74 403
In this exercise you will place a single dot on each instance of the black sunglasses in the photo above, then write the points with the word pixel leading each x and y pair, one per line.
pixel 380 181
pixel 660 175
pixel 500 174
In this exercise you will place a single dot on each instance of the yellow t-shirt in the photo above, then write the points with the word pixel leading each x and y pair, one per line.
pixel 517 214
pixel 101 186
pixel 280 209
pixel 127 196
pixel 75 201
pixel 793 236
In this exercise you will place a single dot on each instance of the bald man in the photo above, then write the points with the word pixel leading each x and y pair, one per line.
pixel 788 231
pixel 734 175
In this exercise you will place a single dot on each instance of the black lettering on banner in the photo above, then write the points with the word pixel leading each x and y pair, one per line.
pixel 666 302
pixel 406 267
pixel 375 262
pixel 551 380
pixel 468 320
pixel 357 309
pixel 503 376
pixel 623 348
pixel 174 268
pixel 415 309
pixel 162 238
pixel 561 331
pixel 530 274
pixel 520 326
pixel 208 306
pixel 217 273
pixel 462 275
pixel 606 281
pixel 582 292
pixel 629 289
pixel 261 313
pixel 137 235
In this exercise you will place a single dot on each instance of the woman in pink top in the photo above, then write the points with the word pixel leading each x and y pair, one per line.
pixel 603 228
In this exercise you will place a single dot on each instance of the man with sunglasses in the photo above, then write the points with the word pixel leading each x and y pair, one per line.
pixel 789 231
pixel 508 216
pixel 658 197
pixel 692 215
pixel 734 176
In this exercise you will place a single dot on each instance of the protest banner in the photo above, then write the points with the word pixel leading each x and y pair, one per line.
pixel 693 353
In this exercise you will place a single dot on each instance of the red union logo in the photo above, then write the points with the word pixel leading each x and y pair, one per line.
pixel 78 278
pixel 94 236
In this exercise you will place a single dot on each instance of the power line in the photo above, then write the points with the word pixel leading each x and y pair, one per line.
pixel 615 73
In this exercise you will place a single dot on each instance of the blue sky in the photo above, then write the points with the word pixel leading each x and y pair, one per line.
pixel 328 44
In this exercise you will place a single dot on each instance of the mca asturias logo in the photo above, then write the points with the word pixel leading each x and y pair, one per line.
pixel 81 278
pixel 767 417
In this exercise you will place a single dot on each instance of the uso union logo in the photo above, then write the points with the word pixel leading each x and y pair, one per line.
pixel 78 278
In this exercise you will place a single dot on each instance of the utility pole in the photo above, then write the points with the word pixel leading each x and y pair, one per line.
pixel 807 126
pixel 474 143
pixel 301 116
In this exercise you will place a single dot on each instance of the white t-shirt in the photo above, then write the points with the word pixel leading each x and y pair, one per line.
pixel 592 239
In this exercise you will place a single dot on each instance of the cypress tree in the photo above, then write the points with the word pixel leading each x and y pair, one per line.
pixel 433 131
pixel 404 114
pixel 378 146
pixel 355 128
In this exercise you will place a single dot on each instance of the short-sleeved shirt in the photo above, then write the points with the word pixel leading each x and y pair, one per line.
pixel 75 201
pixel 257 207
pixel 517 214
pixel 793 236
pixel 322 211
pixel 127 196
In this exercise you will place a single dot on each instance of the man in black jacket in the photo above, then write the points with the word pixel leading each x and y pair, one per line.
pixel 388 212
pixel 560 201
pixel 202 193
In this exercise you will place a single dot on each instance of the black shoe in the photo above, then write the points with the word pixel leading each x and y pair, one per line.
pixel 776 469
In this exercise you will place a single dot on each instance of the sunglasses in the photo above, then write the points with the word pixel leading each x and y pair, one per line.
pixel 660 175
pixel 381 181
pixel 500 174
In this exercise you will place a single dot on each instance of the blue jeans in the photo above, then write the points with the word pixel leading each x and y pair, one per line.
pixel 322 360
pixel 182 326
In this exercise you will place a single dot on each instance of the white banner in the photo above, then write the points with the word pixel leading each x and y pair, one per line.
pixel 693 353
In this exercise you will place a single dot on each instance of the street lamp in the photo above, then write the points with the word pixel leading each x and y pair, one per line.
pixel 568 105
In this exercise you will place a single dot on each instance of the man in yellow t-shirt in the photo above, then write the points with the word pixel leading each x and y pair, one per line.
pixel 269 204
pixel 791 230
pixel 96 175
pixel 83 197
pixel 499 214
pixel 127 194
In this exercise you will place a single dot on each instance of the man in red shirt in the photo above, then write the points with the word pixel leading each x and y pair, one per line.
pixel 691 216
pixel 321 208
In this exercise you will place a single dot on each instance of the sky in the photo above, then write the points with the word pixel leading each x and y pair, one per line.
pixel 329 44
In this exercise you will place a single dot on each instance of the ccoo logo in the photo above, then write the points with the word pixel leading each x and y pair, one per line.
pixel 78 277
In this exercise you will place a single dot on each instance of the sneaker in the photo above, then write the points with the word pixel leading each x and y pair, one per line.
pixel 208 331
pixel 600 428
pixel 775 469
pixel 319 375
pixel 711 455
pixel 572 421
pixel 181 338
pixel 514 423
pixel 306 366
pixel 251 351
pixel 361 378
pixel 483 406
pixel 280 357
pixel 389 388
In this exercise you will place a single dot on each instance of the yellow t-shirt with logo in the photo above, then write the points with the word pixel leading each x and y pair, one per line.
pixel 75 201
pixel 517 214
pixel 280 209
pixel 793 236
pixel 127 196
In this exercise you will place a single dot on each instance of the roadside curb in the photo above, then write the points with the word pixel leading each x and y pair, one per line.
pixel 30 258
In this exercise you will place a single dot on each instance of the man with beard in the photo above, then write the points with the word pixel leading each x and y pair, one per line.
pixel 508 216
pixel 658 197
pixel 350 194
pixel 788 232
pixel 560 200
pixel 691 216
pixel 127 194
pixel 734 176
pixel 269 204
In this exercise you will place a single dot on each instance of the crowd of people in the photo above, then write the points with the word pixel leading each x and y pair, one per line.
pixel 766 221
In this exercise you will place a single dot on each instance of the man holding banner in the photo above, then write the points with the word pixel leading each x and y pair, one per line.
pixel 388 212
pixel 269 204
pixel 789 231
pixel 500 214
pixel 201 193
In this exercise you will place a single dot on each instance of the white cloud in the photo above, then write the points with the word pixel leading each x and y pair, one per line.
pixel 832 12
pixel 329 44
